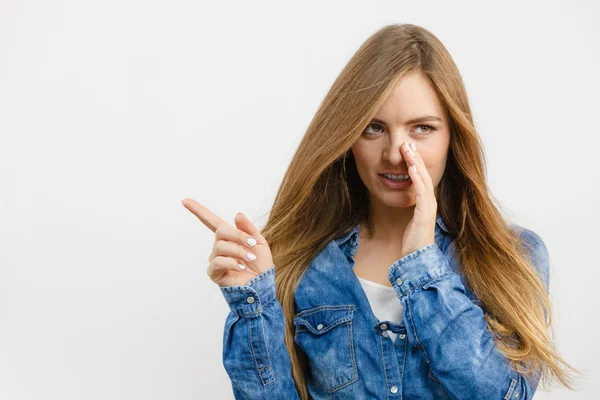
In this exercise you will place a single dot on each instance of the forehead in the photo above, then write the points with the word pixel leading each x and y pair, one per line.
pixel 412 96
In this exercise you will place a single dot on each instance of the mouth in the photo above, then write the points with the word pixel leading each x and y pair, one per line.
pixel 397 182
pixel 396 177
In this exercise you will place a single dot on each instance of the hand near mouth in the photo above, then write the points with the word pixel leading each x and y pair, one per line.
pixel 420 230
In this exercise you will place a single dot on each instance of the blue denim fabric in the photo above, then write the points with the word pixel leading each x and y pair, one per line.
pixel 443 350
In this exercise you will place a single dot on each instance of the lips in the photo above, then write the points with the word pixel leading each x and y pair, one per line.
pixel 396 184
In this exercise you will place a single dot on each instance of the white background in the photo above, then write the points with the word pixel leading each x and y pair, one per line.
pixel 112 112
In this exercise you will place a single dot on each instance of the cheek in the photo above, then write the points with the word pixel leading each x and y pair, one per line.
pixel 363 158
pixel 436 165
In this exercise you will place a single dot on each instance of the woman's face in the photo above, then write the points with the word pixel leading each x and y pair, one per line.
pixel 378 149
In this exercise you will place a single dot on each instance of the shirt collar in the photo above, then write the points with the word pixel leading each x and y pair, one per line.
pixel 440 227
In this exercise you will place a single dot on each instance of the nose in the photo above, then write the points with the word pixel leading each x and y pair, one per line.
pixel 392 153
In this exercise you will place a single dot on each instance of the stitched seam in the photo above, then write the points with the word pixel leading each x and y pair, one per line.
pixel 300 321
pixel 259 310
pixel 351 350
pixel 241 288
pixel 513 383
pixel 432 376
pixel 268 273
pixel 254 355
pixel 387 396
pixel 351 380
pixel 416 253
pixel 252 350
pixel 404 359
pixel 434 278
pixel 268 357
pixel 412 323
pixel 329 326
pixel 268 302
pixel 321 308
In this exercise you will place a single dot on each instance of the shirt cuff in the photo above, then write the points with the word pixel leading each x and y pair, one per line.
pixel 249 300
pixel 418 268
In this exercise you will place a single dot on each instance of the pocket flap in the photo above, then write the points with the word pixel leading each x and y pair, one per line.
pixel 324 318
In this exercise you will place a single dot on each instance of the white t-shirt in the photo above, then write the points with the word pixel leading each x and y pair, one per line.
pixel 384 302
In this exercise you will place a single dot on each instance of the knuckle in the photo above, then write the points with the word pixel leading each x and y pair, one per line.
pixel 217 245
pixel 211 266
pixel 221 231
pixel 220 246
pixel 218 261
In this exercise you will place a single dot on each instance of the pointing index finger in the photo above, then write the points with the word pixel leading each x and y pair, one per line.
pixel 207 217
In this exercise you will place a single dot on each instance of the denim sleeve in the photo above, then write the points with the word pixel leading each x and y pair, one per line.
pixel 450 328
pixel 254 353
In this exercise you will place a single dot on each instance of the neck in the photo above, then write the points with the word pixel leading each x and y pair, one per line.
pixel 388 223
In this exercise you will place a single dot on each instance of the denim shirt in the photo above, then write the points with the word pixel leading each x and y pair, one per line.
pixel 443 350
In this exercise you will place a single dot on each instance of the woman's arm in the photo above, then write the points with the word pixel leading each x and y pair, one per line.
pixel 451 330
pixel 254 353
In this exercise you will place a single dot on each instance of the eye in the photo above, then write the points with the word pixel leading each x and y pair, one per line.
pixel 429 129
pixel 375 125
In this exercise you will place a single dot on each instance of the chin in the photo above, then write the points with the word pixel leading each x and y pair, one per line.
pixel 398 204
pixel 399 199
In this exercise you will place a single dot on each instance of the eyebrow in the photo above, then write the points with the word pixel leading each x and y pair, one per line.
pixel 414 120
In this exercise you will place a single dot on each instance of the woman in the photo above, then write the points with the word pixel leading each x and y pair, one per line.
pixel 386 192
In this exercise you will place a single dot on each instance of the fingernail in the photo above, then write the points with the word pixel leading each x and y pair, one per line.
pixel 251 256
pixel 241 266
pixel 415 167
pixel 414 147
pixel 251 241
pixel 409 150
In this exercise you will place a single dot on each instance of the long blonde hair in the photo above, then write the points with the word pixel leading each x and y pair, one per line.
pixel 323 173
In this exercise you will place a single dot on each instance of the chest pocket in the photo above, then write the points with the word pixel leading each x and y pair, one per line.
pixel 325 334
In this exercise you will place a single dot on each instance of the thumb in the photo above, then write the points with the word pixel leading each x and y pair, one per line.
pixel 243 223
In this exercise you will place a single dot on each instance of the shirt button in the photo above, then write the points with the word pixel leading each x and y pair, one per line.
pixel 250 299
pixel 402 336
pixel 320 326
pixel 383 327
pixel 394 389
pixel 516 394
pixel 399 281
pixel 384 334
